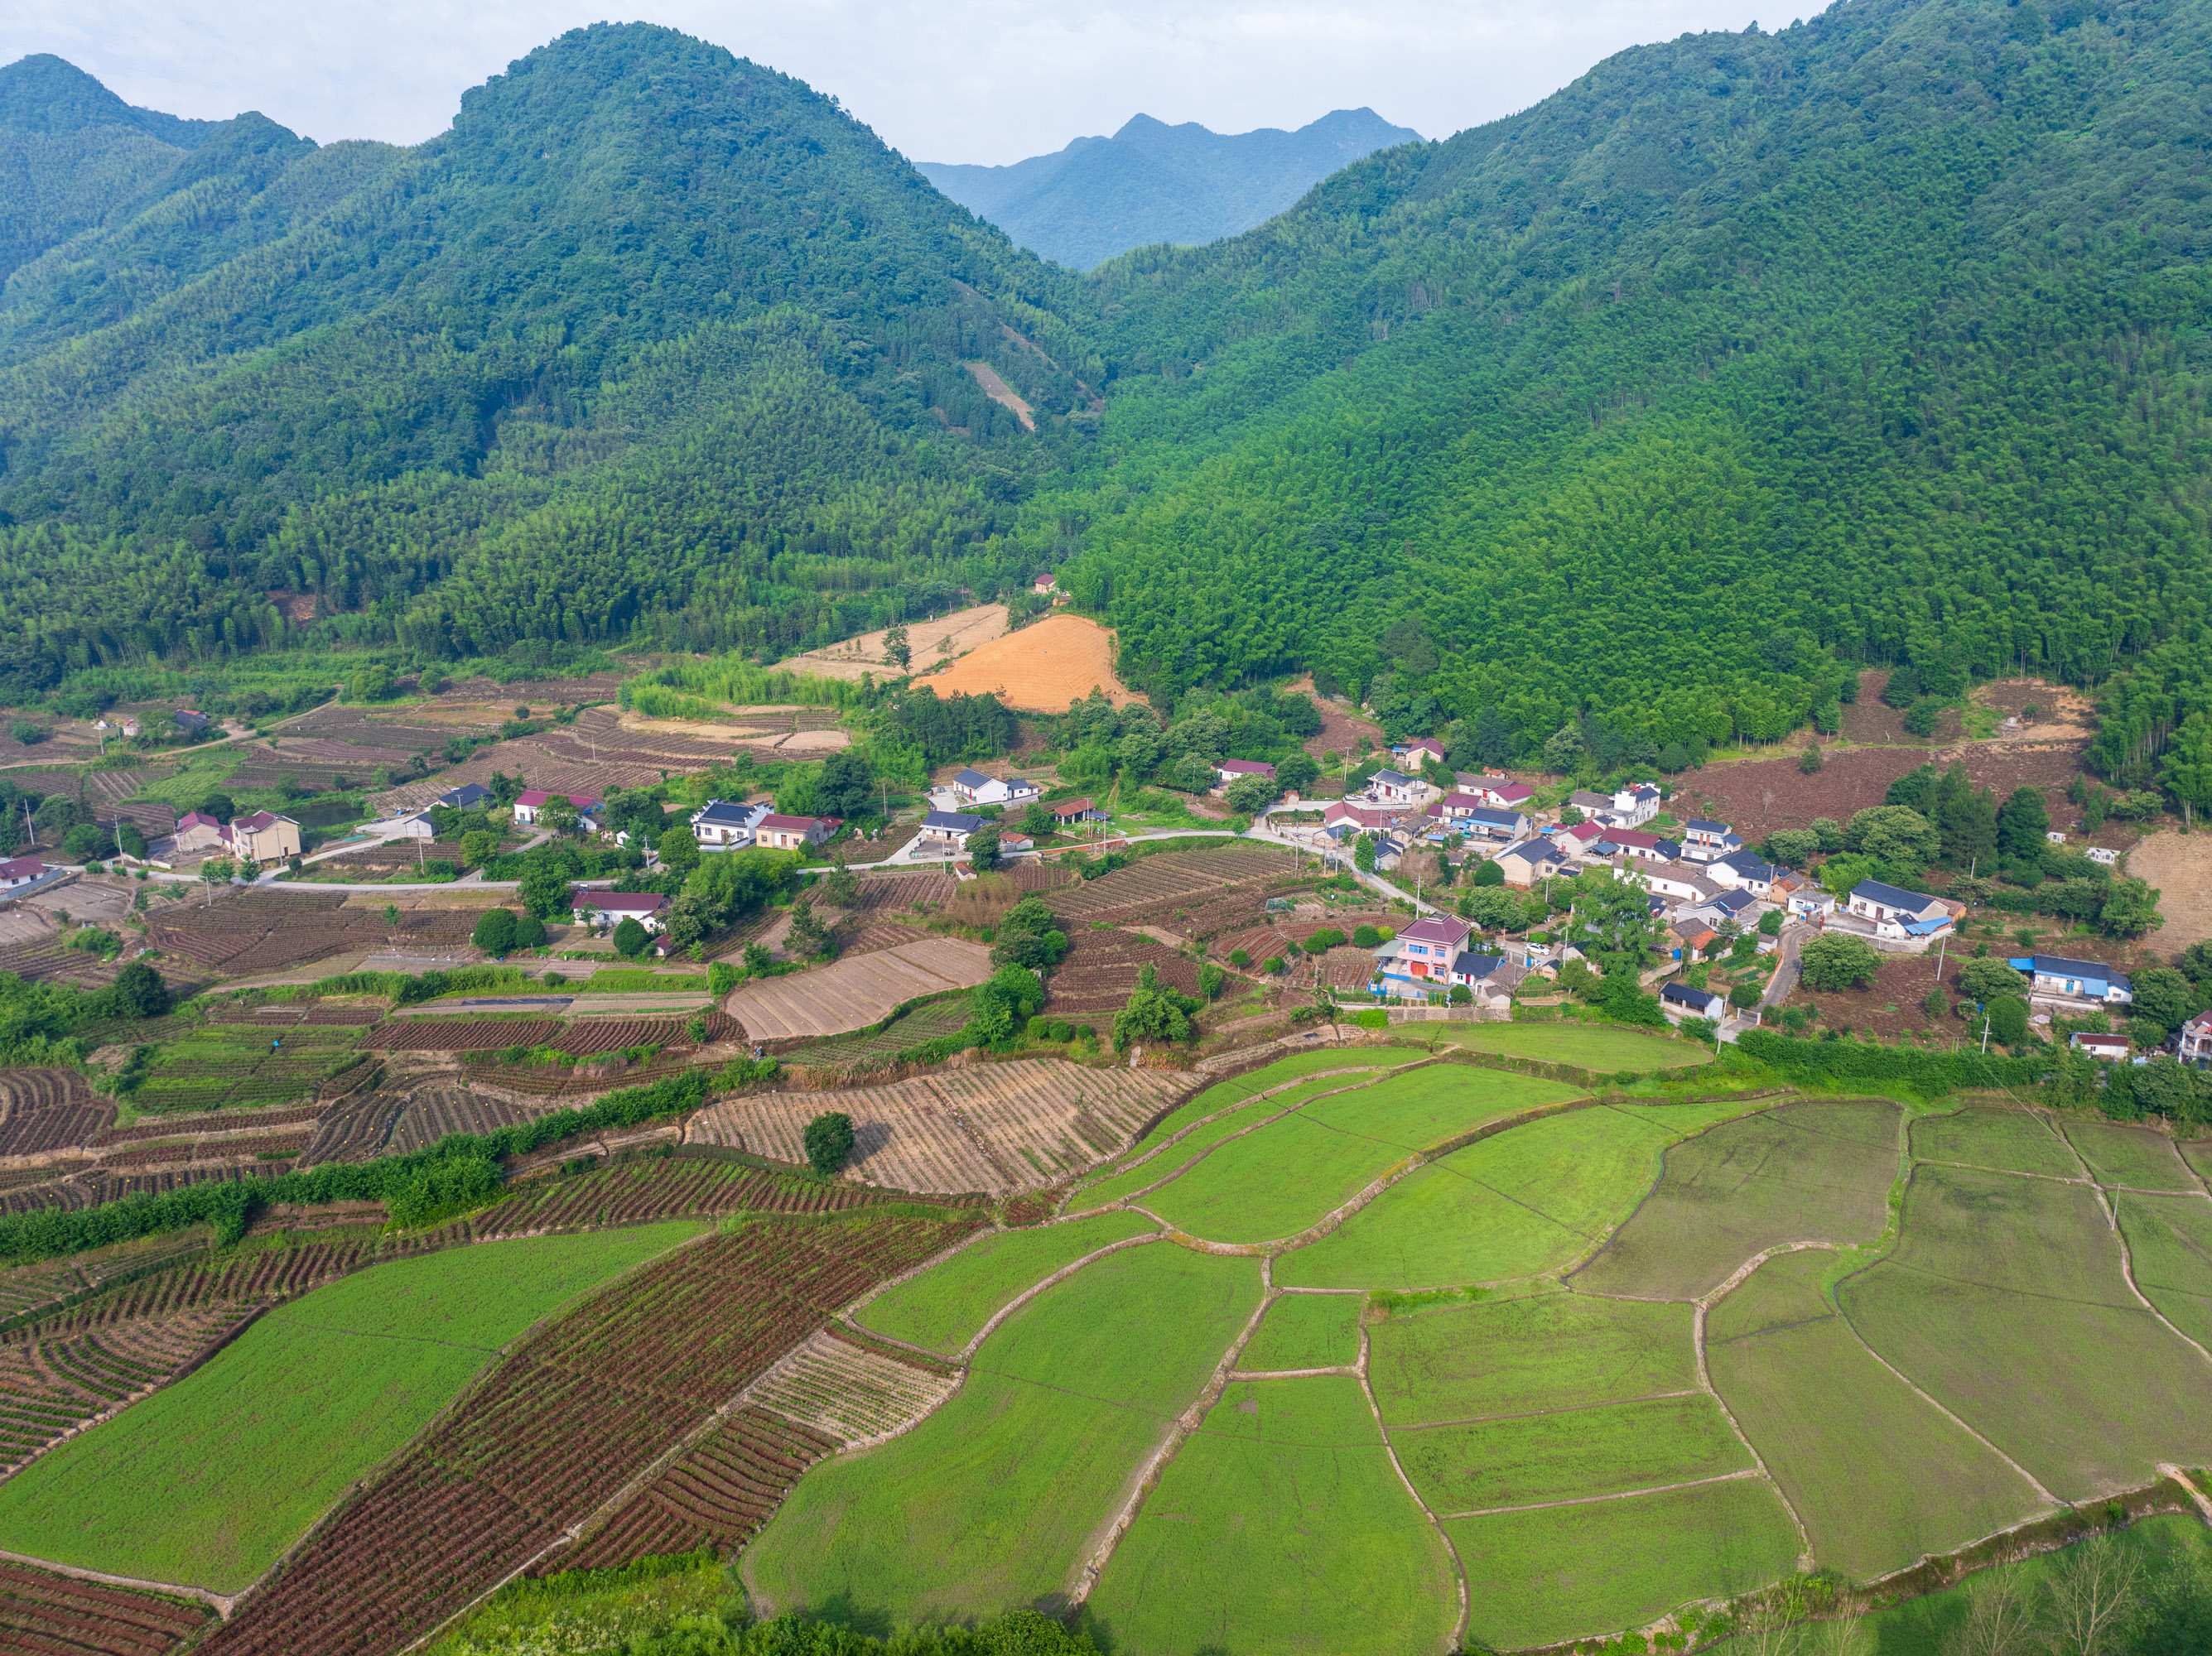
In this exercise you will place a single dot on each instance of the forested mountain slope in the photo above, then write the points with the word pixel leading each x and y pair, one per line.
pixel 1883 335
pixel 650 333
pixel 1152 183
pixel 72 153
pixel 1743 360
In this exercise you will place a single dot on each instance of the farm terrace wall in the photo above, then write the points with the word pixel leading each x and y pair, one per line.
pixel 560 1426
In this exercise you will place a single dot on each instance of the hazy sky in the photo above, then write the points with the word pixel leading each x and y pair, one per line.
pixel 987 80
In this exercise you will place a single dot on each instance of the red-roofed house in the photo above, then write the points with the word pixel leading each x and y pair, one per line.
pixel 263 836
pixel 533 801
pixel 1635 842
pixel 1366 819
pixel 197 831
pixel 20 871
pixel 777 833
pixel 1422 954
pixel 1497 790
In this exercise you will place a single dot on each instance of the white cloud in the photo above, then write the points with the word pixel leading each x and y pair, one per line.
pixel 952 80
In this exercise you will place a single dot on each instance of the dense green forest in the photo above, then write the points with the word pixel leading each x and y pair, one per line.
pixel 1657 409
pixel 1876 339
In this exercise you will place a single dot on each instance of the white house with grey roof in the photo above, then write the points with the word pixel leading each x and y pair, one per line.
pixel 727 824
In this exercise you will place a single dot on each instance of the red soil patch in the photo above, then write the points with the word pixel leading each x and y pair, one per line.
pixel 1762 795
pixel 1341 727
pixel 1040 669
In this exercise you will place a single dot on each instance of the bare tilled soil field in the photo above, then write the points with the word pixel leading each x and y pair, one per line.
pixel 58 1616
pixel 1342 727
pixel 1763 795
pixel 1040 669
pixel 1101 970
pixel 46 1110
pixel 925 1022
pixel 2180 868
pixel 949 635
pixel 263 931
pixel 851 994
pixel 885 892
pixel 992 1127
pixel 883 934
pixel 559 1428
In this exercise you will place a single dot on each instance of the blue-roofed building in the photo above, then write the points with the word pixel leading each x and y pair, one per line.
pixel 1897 913
pixel 2055 974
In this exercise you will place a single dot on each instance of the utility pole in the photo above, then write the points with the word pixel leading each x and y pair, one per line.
pixel 1985 1032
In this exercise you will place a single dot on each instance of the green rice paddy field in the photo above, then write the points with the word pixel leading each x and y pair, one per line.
pixel 260 1441
pixel 1604 1047
pixel 1526 1420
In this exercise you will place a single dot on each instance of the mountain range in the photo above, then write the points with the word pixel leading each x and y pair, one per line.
pixel 1153 183
pixel 1652 411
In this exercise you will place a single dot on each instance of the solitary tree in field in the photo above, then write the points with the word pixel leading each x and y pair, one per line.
pixel 828 1140
pixel 1837 961
pixel 494 932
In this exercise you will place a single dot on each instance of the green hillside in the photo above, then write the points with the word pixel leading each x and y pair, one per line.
pixel 1743 361
pixel 1878 338
pixel 651 337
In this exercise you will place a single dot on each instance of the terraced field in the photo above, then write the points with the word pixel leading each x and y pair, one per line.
pixel 1359 1351
pixel 996 1127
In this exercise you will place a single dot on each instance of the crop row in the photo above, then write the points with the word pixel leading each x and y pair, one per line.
pixel 851 1391
pixel 355 1128
pixel 171 1127
pixel 51 1384
pixel 65 1193
pixel 460 1035
pixel 560 1426
pixel 244 1279
pixel 44 1613
pixel 43 1110
pixel 210 1151
pixel 715 1496
pixel 557 1083
pixel 663 1190
pixel 433 1112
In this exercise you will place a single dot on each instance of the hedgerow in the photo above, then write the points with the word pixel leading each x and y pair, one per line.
pixel 1929 1074
pixel 460 1171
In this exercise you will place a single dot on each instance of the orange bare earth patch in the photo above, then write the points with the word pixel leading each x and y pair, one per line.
pixel 1040 669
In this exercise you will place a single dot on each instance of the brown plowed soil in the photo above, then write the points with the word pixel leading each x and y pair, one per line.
pixel 1040 669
